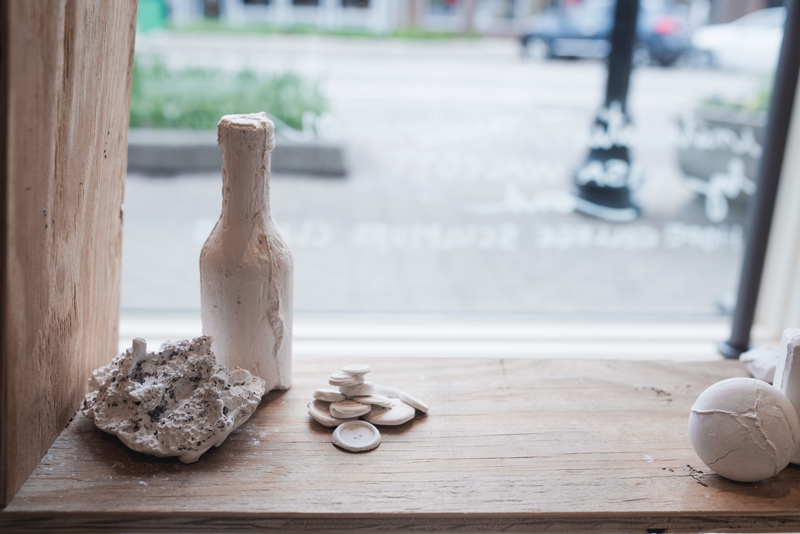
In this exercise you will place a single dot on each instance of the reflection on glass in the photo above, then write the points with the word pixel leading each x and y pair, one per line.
pixel 460 150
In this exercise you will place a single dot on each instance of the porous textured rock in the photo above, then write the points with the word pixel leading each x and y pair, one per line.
pixel 177 402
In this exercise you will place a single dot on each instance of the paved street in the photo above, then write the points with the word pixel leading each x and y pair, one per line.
pixel 460 155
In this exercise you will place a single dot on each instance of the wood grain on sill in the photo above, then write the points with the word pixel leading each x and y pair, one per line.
pixel 559 445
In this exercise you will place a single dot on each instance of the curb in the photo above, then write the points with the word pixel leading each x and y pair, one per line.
pixel 154 151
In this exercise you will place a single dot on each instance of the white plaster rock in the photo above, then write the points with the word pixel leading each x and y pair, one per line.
pixel 787 373
pixel 761 362
pixel 177 402
pixel 744 429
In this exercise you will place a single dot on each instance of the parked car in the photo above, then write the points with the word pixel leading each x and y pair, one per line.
pixel 584 31
pixel 751 43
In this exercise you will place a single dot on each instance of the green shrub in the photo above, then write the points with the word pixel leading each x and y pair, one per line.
pixel 757 103
pixel 196 98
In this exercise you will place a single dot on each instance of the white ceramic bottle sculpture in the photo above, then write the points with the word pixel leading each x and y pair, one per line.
pixel 245 265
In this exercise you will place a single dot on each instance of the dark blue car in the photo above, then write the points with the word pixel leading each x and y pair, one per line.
pixel 583 31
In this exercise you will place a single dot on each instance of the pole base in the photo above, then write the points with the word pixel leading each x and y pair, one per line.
pixel 731 352
pixel 613 204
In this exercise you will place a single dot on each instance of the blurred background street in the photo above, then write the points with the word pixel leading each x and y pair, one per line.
pixel 457 199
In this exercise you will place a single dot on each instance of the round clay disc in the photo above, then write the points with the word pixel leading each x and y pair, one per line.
pixel 343 379
pixel 319 410
pixel 386 391
pixel 329 395
pixel 413 401
pixel 356 436
pixel 399 413
pixel 348 409
pixel 377 400
pixel 356 369
pixel 361 390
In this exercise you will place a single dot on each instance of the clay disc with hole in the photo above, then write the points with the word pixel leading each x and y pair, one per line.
pixel 356 436
pixel 356 369
pixel 348 409
pixel 329 395
pixel 344 379
pixel 319 410
pixel 377 400
pixel 399 413
pixel 413 401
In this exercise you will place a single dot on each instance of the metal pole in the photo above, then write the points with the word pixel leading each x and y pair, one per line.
pixel 603 182
pixel 759 215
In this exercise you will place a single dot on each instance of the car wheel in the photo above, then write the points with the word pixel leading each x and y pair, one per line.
pixel 537 48
pixel 641 55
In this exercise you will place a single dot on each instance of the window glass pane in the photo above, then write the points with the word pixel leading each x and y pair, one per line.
pixel 419 171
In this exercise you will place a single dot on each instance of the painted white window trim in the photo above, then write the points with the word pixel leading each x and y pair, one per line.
pixel 478 337
pixel 779 298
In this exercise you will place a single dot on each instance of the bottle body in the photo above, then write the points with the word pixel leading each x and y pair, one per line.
pixel 246 267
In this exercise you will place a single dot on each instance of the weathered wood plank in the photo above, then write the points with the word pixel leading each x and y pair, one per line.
pixel 67 68
pixel 522 445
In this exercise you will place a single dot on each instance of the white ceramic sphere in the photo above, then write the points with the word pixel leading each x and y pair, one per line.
pixel 744 429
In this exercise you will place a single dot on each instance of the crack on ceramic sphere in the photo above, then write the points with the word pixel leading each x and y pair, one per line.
pixel 724 456
pixel 754 430
pixel 177 402
pixel 760 427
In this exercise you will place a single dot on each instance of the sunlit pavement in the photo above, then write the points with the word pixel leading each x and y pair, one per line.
pixel 457 200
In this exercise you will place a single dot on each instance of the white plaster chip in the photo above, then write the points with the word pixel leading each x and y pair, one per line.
pixel 329 395
pixel 361 390
pixel 356 436
pixel 399 413
pixel 356 369
pixel 340 378
pixel 761 362
pixel 787 373
pixel 744 429
pixel 414 401
pixel 320 411
pixel 348 409
pixel 177 402
pixel 377 400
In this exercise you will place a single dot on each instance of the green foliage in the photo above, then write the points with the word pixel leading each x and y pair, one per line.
pixel 196 98
pixel 758 103
pixel 214 26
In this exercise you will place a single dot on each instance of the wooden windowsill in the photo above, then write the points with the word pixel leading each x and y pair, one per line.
pixel 513 444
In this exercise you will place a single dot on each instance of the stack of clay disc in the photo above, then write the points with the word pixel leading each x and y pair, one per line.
pixel 353 397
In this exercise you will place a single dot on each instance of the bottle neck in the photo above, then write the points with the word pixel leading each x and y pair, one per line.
pixel 245 175
pixel 245 191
